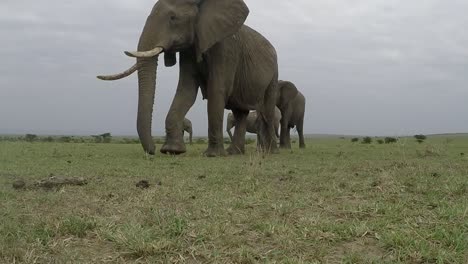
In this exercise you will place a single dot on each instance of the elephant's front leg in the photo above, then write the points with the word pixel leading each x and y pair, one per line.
pixel 216 104
pixel 238 141
pixel 186 94
pixel 183 101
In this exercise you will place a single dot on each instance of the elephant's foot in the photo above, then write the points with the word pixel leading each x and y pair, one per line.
pixel 302 146
pixel 235 150
pixel 269 149
pixel 173 147
pixel 285 146
pixel 215 151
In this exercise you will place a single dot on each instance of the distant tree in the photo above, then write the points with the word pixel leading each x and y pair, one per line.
pixel 367 140
pixel 30 137
pixel 354 140
pixel 380 141
pixel 389 140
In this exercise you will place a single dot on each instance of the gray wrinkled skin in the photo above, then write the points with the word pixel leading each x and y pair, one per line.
pixel 252 123
pixel 234 66
pixel 291 102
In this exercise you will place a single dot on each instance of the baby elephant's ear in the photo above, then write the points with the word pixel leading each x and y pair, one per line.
pixel 218 19
pixel 287 92
pixel 170 59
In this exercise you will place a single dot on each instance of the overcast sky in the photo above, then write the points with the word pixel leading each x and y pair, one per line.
pixel 366 67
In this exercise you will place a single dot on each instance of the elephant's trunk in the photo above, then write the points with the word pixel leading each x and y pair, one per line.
pixel 146 91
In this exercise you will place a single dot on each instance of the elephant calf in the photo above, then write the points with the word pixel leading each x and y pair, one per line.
pixel 188 128
pixel 251 122
pixel 291 102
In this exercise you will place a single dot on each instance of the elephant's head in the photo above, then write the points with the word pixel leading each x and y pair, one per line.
pixel 173 26
pixel 287 92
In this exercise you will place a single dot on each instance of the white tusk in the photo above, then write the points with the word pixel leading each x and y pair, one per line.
pixel 144 54
pixel 119 75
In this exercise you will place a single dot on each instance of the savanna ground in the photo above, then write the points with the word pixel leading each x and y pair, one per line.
pixel 334 202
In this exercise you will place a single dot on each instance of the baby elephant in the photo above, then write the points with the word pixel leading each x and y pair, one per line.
pixel 291 102
pixel 188 128
pixel 251 122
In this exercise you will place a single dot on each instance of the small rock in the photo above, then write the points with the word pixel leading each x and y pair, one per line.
pixel 201 177
pixel 435 174
pixel 19 184
pixel 143 184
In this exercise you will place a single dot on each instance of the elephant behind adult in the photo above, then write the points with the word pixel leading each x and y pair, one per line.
pixel 291 102
pixel 188 128
pixel 234 66
pixel 252 122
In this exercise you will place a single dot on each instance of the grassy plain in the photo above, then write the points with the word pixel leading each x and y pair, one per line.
pixel 334 202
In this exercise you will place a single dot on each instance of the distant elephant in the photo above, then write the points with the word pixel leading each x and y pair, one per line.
pixel 234 66
pixel 188 129
pixel 291 102
pixel 252 122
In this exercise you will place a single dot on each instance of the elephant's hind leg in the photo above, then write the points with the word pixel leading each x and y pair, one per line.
pixel 266 119
pixel 238 140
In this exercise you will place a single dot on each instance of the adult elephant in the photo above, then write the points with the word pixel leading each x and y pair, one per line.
pixel 252 123
pixel 234 66
pixel 187 125
pixel 291 102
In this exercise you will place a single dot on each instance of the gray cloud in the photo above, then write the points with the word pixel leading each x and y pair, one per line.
pixel 365 67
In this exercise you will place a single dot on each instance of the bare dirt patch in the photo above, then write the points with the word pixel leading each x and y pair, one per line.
pixel 364 249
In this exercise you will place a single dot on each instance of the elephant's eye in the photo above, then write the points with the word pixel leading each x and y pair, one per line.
pixel 173 17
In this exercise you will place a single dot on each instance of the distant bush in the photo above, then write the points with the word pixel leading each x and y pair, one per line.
pixel 130 141
pixel 389 140
pixel 48 139
pixel 200 141
pixel 158 141
pixel 97 138
pixel 420 137
pixel 65 139
pixel 380 141
pixel 30 137
pixel 354 140
pixel 106 137
pixel 227 141
pixel 249 141
pixel 367 140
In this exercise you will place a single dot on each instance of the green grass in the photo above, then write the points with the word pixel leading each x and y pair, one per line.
pixel 334 202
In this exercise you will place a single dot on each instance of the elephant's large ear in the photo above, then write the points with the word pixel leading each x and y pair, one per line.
pixel 218 19
pixel 288 91
pixel 170 59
